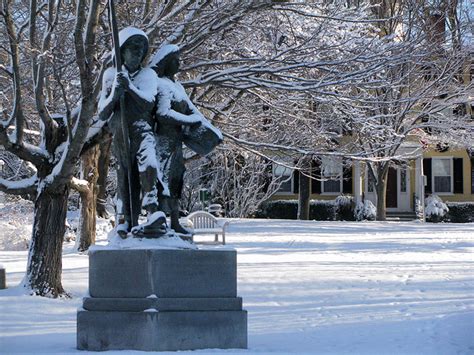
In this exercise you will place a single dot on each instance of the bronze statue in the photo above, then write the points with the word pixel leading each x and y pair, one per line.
pixel 138 86
pixel 178 121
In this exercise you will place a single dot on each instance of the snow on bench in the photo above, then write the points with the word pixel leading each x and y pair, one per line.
pixel 205 223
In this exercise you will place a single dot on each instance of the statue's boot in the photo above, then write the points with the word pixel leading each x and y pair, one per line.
pixel 154 227
pixel 179 229
pixel 175 225
pixel 122 229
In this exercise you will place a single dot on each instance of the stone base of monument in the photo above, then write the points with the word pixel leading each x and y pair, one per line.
pixel 162 300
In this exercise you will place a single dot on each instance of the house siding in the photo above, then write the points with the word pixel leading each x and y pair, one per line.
pixel 467 180
pixel 466 195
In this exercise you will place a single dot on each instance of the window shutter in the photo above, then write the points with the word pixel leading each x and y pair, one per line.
pixel 316 173
pixel 458 180
pixel 347 182
pixel 427 172
pixel 296 182
pixel 472 176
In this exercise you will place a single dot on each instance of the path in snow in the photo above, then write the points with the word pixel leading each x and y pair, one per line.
pixel 309 287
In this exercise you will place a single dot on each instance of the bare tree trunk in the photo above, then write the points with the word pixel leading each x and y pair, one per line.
pixel 381 191
pixel 87 221
pixel 303 196
pixel 43 275
pixel 103 170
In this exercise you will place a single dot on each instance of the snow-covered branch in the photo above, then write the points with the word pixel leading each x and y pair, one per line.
pixel 20 187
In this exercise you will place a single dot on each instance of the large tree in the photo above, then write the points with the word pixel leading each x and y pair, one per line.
pixel 421 78
pixel 53 79
pixel 255 68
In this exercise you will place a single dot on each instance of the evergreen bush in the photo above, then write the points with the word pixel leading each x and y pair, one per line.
pixel 344 208
pixel 460 212
pixel 435 209
pixel 288 209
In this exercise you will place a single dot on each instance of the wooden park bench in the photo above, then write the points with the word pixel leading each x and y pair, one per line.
pixel 205 223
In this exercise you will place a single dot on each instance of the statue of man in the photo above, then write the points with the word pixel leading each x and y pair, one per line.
pixel 176 118
pixel 139 87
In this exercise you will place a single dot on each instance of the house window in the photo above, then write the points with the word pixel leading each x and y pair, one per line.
pixel 370 182
pixel 403 180
pixel 331 171
pixel 284 175
pixel 442 172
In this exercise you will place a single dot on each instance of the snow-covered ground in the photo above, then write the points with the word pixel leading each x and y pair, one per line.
pixel 309 287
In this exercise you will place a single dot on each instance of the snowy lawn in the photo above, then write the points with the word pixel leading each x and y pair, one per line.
pixel 309 287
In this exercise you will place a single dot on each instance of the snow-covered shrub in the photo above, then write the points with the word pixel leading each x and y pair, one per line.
pixel 344 208
pixel 460 212
pixel 435 209
pixel 365 211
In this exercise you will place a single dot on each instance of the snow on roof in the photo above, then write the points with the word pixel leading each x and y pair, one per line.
pixel 163 52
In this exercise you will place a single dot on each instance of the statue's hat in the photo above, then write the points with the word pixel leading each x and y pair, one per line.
pixel 129 32
pixel 162 53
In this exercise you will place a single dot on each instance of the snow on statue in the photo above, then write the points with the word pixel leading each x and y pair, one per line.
pixel 138 86
pixel 160 117
pixel 178 121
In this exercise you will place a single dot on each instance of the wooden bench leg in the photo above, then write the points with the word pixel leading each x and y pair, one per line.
pixel 216 238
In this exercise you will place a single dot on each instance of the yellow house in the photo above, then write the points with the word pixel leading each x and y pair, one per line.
pixel 448 174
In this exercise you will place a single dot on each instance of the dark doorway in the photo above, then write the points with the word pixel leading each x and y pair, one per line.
pixel 392 183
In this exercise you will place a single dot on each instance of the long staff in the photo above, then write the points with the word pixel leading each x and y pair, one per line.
pixel 123 120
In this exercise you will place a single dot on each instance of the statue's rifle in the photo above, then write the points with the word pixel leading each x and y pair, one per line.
pixel 123 120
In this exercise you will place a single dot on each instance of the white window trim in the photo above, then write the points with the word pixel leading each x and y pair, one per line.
pixel 433 176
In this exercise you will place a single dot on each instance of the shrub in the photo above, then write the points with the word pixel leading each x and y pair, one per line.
pixel 320 210
pixel 365 211
pixel 344 207
pixel 435 209
pixel 278 209
pixel 460 212
pixel 288 209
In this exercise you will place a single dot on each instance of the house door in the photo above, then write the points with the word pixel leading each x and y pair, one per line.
pixel 392 184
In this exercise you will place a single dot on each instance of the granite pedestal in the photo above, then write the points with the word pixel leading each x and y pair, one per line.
pixel 162 300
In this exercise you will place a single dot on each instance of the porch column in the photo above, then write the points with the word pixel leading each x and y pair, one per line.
pixel 420 184
pixel 357 183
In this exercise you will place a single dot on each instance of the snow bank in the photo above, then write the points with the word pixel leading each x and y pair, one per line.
pixel 309 287
pixel 16 219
